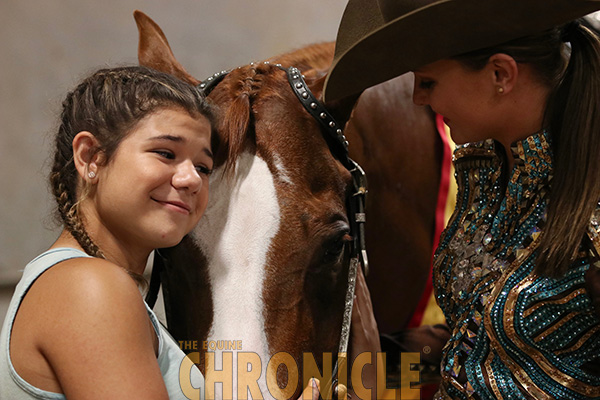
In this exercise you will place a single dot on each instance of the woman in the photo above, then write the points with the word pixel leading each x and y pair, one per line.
pixel 516 272
pixel 134 151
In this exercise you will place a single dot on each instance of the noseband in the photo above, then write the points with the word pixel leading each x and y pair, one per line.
pixel 338 145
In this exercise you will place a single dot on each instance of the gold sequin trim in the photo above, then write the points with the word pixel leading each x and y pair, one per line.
pixel 563 300
pixel 580 342
pixel 543 335
pixel 508 320
pixel 491 378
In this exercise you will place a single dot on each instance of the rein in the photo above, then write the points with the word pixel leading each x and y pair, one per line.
pixel 338 145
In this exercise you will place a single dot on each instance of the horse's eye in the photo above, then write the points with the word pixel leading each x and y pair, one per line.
pixel 334 249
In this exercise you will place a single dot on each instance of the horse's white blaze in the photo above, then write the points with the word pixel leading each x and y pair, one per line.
pixel 241 219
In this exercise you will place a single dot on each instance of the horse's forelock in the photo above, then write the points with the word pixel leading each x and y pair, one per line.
pixel 235 127
pixel 236 96
pixel 257 82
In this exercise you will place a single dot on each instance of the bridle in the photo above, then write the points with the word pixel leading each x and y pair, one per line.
pixel 338 145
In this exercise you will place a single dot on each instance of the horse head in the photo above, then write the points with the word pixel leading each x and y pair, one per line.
pixel 267 265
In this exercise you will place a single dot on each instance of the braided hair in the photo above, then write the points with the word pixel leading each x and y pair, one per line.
pixel 109 104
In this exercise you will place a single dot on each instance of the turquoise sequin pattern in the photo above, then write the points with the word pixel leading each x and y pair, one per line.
pixel 515 334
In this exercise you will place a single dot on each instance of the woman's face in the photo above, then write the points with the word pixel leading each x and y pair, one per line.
pixel 465 98
pixel 154 189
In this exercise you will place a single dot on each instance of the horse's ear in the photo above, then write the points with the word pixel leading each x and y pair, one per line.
pixel 154 50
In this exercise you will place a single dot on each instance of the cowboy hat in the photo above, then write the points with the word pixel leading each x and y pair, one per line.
pixel 380 39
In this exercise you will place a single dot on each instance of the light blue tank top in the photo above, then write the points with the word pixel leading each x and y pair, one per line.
pixel 12 386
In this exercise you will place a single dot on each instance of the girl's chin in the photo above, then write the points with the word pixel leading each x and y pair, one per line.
pixel 168 238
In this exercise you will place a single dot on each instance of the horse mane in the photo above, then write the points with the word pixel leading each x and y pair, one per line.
pixel 316 56
pixel 238 91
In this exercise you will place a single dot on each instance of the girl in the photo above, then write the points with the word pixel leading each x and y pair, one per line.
pixel 133 154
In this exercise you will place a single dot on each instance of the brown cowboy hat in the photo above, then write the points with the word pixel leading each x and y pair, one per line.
pixel 380 39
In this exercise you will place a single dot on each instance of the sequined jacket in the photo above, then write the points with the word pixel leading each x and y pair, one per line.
pixel 514 334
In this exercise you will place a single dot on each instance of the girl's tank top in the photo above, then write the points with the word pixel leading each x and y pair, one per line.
pixel 170 356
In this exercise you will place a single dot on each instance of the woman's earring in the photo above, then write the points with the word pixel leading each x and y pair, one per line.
pixel 500 90
pixel 91 174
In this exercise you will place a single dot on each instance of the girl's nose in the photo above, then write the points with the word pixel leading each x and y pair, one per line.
pixel 187 177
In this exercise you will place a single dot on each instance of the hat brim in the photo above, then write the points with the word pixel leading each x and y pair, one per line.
pixel 440 30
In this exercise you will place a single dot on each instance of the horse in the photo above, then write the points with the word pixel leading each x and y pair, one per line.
pixel 267 265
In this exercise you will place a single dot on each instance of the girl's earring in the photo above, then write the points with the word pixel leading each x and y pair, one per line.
pixel 500 90
pixel 91 174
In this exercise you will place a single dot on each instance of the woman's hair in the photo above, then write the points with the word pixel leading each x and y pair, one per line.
pixel 109 104
pixel 573 120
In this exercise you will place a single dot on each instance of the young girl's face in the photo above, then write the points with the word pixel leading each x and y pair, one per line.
pixel 154 189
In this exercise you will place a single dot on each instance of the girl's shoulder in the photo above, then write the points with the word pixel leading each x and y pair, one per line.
pixel 85 292
pixel 83 317
pixel 90 269
pixel 88 280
